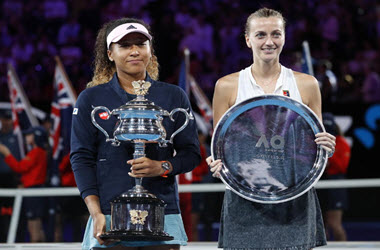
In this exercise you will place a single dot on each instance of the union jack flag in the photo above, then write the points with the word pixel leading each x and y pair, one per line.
pixel 188 83
pixel 61 112
pixel 22 115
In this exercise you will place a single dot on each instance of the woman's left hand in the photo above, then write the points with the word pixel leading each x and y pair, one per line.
pixel 327 141
pixel 215 166
pixel 145 167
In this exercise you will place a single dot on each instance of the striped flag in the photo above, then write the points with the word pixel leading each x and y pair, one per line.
pixel 188 83
pixel 61 112
pixel 22 115
pixel 202 101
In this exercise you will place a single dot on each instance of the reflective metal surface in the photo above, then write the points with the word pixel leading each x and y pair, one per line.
pixel 140 119
pixel 136 214
pixel 267 148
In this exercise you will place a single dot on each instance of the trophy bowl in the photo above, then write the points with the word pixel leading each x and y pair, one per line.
pixel 267 148
pixel 136 214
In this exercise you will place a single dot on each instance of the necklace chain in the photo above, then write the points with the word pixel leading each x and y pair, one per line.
pixel 267 83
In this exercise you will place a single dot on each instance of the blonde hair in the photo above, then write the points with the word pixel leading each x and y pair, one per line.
pixel 104 69
pixel 263 12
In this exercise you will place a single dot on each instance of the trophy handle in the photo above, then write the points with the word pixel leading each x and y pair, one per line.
pixel 189 116
pixel 113 140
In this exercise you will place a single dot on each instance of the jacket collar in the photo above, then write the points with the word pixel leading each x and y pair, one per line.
pixel 124 96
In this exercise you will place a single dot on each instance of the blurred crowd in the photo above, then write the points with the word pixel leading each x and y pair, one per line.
pixel 41 218
pixel 344 39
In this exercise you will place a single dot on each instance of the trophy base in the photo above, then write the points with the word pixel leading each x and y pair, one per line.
pixel 136 236
pixel 137 215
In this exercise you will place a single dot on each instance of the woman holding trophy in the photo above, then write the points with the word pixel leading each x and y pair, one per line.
pixel 123 55
pixel 294 224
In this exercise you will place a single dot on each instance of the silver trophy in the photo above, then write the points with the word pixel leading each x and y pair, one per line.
pixel 267 148
pixel 138 214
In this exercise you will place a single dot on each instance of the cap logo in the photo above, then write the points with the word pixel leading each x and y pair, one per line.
pixel 131 27
pixel 120 31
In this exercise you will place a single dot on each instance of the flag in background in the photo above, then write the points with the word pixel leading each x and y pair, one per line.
pixel 61 111
pixel 22 115
pixel 183 79
pixel 307 63
pixel 202 101
pixel 189 85
pixel 202 125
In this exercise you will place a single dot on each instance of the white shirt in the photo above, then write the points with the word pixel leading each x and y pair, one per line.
pixel 286 85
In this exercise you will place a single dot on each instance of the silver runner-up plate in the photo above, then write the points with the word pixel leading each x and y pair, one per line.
pixel 267 148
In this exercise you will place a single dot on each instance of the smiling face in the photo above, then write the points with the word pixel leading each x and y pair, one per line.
pixel 266 38
pixel 131 55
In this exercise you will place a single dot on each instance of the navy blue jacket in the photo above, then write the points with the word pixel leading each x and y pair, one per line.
pixel 101 169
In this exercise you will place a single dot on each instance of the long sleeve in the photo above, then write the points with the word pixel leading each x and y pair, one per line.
pixel 25 164
pixel 202 169
pixel 83 151
pixel 32 168
pixel 186 142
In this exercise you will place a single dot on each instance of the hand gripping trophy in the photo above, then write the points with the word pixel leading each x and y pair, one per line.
pixel 138 214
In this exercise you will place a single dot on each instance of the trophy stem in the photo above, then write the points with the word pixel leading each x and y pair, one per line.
pixel 139 152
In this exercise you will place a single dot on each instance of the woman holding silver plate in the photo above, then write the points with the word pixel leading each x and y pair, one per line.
pixel 124 54
pixel 294 224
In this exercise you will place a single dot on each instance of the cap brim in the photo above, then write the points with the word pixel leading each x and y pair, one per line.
pixel 118 38
pixel 124 29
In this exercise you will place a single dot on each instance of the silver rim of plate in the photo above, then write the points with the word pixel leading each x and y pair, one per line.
pixel 267 148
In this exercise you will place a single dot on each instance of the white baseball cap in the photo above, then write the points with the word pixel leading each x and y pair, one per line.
pixel 124 29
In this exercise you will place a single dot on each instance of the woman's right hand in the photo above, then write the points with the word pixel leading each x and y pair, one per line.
pixel 98 218
pixel 215 166
pixel 99 226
